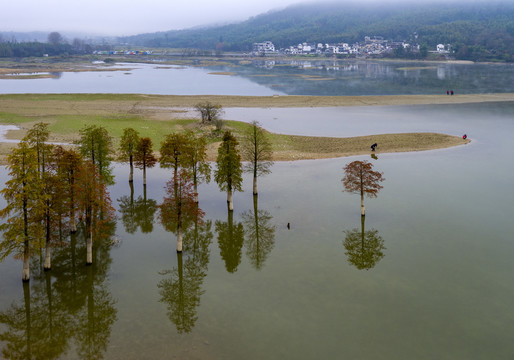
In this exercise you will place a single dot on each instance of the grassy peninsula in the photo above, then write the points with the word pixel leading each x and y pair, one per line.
pixel 157 115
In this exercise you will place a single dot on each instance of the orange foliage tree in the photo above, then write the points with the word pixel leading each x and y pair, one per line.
pixel 179 209
pixel 143 156
pixel 95 203
pixel 361 179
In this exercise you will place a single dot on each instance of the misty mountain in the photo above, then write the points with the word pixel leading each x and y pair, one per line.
pixel 471 27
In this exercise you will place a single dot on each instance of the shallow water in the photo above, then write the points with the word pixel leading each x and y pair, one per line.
pixel 4 129
pixel 442 289
pixel 326 77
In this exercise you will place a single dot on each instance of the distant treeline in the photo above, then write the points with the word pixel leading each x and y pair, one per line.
pixel 476 31
pixel 38 49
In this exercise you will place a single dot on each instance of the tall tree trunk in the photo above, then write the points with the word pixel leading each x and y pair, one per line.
pixel 48 258
pixel 179 217
pixel 363 212
pixel 73 259
pixel 255 204
pixel 257 229
pixel 255 184
pixel 144 175
pixel 89 248
pixel 179 238
pixel 25 276
pixel 73 221
pixel 254 163
pixel 131 175
pixel 363 218
pixel 131 184
pixel 195 188
pixel 229 200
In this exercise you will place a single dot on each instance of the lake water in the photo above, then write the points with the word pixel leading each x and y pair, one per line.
pixel 434 280
pixel 279 77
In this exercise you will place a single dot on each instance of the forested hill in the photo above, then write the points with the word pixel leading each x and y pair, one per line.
pixel 476 30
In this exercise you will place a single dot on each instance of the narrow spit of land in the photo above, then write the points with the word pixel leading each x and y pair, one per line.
pixel 156 115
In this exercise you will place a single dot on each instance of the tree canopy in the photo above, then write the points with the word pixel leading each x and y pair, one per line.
pixel 257 151
pixel 127 149
pixel 95 144
pixel 25 205
pixel 229 172
pixel 360 179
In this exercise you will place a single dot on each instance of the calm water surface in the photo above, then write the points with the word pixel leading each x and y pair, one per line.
pixel 439 284
pixel 280 77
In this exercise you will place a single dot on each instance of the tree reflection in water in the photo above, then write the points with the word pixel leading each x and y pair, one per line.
pixel 137 213
pixel 230 241
pixel 260 234
pixel 66 308
pixel 363 248
pixel 181 288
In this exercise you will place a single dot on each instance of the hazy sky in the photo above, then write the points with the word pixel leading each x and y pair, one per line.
pixel 126 17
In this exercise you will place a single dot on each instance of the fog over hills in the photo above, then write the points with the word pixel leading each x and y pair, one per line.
pixel 475 30
pixel 488 26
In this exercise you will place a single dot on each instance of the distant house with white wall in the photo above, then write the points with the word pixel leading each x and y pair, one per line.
pixel 266 47
pixel 306 48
